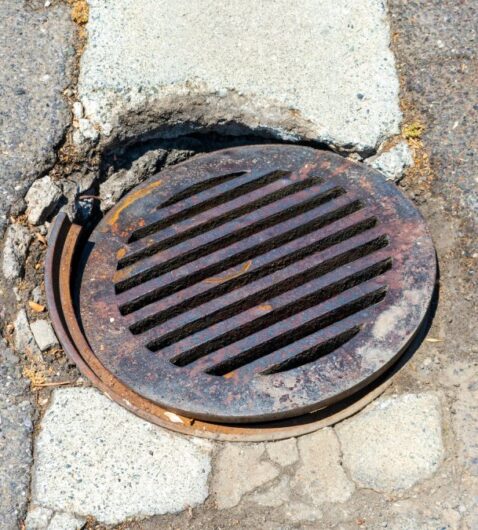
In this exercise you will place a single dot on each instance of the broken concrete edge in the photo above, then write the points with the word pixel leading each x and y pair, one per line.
pixel 183 110
pixel 41 518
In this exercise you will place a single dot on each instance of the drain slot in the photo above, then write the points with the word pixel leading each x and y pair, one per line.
pixel 208 293
pixel 261 297
pixel 263 323
pixel 222 198
pixel 167 242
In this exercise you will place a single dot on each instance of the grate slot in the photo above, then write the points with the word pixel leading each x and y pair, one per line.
pixel 342 356
pixel 208 221
pixel 288 304
pixel 223 194
pixel 328 242
pixel 315 353
pixel 253 294
pixel 194 274
pixel 296 334
pixel 202 186
pixel 220 237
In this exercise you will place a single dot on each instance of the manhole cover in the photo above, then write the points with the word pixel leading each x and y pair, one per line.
pixel 255 284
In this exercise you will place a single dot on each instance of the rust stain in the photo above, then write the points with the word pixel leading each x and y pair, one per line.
pixel 131 198
pixel 232 275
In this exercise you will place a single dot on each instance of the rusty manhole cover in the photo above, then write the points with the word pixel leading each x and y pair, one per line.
pixel 252 284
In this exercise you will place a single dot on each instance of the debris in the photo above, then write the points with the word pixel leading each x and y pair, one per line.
pixel 34 306
pixel 413 130
pixel 55 383
pixel 245 267
pixel 37 295
pixel 17 240
pixel 173 417
pixel 41 238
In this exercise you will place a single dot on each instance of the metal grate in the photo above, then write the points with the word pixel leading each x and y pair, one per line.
pixel 255 283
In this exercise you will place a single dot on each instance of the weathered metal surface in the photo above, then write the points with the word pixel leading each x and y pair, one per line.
pixel 255 283
pixel 59 269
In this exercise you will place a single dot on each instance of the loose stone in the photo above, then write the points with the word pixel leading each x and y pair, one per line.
pixel 393 163
pixel 24 341
pixel 17 240
pixel 42 198
pixel 44 335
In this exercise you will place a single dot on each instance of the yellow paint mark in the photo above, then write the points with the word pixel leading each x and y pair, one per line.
pixel 264 307
pixel 232 275
pixel 121 253
pixel 131 198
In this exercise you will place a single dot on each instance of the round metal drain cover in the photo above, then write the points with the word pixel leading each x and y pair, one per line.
pixel 255 283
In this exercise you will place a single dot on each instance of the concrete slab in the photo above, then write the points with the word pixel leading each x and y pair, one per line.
pixel 95 458
pixel 326 482
pixel 308 69
pixel 394 443
pixel 240 469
